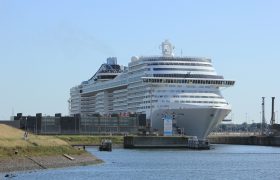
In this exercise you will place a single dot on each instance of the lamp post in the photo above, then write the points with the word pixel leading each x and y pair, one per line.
pixel 25 132
pixel 25 124
pixel 151 110
pixel 276 114
pixel 45 122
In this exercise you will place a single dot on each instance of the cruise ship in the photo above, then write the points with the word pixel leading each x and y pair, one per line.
pixel 187 88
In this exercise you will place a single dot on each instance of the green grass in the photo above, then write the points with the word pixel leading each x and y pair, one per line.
pixel 12 137
pixel 89 140
pixel 38 151
pixel 11 140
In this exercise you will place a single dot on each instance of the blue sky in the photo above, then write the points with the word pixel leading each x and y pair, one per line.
pixel 46 47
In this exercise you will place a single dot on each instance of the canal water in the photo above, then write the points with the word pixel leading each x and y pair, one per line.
pixel 221 162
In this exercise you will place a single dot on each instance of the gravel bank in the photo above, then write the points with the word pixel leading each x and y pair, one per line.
pixel 25 164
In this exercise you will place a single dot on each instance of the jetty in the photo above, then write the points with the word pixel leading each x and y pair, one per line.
pixel 246 140
pixel 164 142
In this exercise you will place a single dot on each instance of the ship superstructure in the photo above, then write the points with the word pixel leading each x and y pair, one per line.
pixel 186 87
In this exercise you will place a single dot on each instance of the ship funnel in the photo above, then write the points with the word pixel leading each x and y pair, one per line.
pixel 272 121
pixel 167 48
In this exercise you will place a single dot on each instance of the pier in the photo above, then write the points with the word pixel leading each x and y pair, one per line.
pixel 246 140
pixel 163 142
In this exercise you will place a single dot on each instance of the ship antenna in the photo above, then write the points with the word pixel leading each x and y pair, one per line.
pixel 13 112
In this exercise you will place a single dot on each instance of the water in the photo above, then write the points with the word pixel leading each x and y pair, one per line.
pixel 222 162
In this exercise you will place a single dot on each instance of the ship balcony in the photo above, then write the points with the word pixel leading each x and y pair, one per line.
pixel 189 81
pixel 119 93
pixel 119 97
pixel 119 101
pixel 120 109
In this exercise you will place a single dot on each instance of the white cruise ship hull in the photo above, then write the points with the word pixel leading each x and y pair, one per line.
pixel 196 121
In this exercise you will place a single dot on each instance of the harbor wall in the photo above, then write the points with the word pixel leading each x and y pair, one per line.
pixel 94 125
pixel 15 124
pixel 246 140
pixel 155 142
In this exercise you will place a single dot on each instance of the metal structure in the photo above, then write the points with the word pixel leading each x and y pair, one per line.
pixel 272 121
pixel 263 116
pixel 77 124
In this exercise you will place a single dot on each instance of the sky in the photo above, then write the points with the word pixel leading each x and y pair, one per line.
pixel 47 47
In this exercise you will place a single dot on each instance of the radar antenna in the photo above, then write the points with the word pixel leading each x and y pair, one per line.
pixel 167 48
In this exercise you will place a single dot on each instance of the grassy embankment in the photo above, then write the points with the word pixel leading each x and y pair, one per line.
pixel 11 141
pixel 89 140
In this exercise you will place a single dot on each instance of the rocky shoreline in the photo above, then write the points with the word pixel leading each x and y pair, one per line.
pixel 45 162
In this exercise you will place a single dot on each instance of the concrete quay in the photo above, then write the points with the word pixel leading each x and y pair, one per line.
pixel 163 142
pixel 246 140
